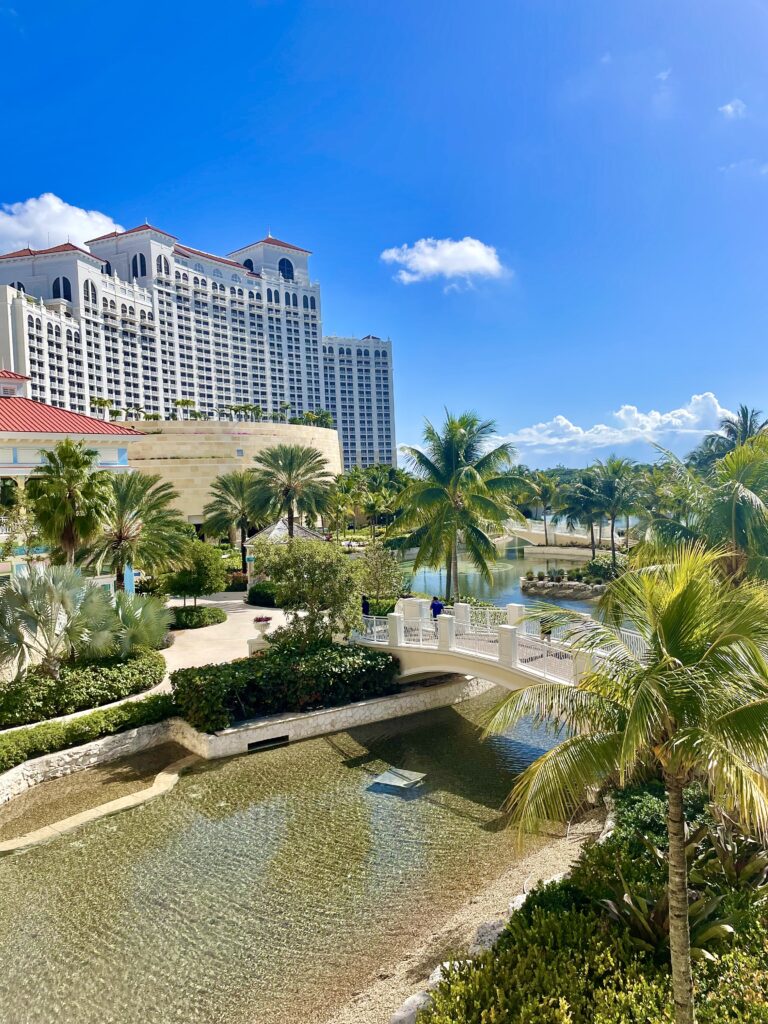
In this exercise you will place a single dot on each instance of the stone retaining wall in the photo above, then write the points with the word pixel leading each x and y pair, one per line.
pixel 237 739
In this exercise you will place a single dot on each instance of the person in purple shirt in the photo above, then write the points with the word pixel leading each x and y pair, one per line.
pixel 436 607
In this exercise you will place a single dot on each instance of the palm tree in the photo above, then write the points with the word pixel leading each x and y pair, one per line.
pixel 463 485
pixel 182 404
pixel 726 510
pixel 285 408
pixel 291 479
pixel 49 614
pixel 617 486
pixel 141 526
pixel 105 404
pixel 141 621
pixel 580 504
pixel 544 489
pixel 733 431
pixel 232 504
pixel 692 706
pixel 69 496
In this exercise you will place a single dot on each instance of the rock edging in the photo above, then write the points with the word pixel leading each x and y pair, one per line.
pixel 574 589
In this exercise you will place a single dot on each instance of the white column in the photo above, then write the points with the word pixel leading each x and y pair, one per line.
pixel 396 630
pixel 461 615
pixel 508 645
pixel 446 632
pixel 515 612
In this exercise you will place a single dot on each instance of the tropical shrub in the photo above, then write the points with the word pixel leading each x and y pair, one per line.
pixel 236 580
pixel 262 594
pixel 201 574
pixel 195 617
pixel 602 568
pixel 141 622
pixel 36 696
pixel 23 744
pixel 290 675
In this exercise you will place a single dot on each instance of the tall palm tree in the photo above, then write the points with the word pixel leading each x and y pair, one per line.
pixel 69 496
pixel 544 489
pixel 693 706
pixel 463 485
pixel 617 487
pixel 183 404
pixel 291 479
pixel 232 504
pixel 141 526
pixel 727 509
pixel 733 431
pixel 49 614
pixel 580 504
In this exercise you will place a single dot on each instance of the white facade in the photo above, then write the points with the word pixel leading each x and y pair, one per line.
pixel 141 321
pixel 359 392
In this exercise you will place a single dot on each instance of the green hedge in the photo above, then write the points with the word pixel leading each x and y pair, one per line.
pixel 36 697
pixel 19 746
pixel 193 617
pixel 560 960
pixel 262 595
pixel 281 678
pixel 237 581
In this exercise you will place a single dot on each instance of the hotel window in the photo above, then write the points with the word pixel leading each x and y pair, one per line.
pixel 62 289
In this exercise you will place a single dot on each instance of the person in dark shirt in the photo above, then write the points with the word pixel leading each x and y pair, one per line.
pixel 436 607
pixel 366 606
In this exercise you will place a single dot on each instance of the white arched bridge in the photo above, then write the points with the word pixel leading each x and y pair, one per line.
pixel 497 644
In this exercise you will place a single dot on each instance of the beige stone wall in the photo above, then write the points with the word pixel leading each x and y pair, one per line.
pixel 190 455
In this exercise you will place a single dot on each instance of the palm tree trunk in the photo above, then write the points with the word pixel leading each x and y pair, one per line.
pixel 679 930
pixel 120 577
pixel 546 538
pixel 613 539
pixel 455 564
pixel 626 533
pixel 243 538
pixel 448 575
pixel 592 537
pixel 290 520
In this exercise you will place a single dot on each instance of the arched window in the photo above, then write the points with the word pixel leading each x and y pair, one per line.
pixel 142 315
pixel 107 269
pixel 195 280
pixel 57 331
pixel 295 299
pixel 258 296
pixel 135 266
pixel 163 266
pixel 203 283
pixel 287 298
pixel 305 302
pixel 251 296
pixel 239 293
pixel 131 311
pixel 217 273
pixel 285 269
pixel 38 326
pixel 248 263
pixel 77 336
pixel 232 291
pixel 269 294
pixel 18 286
pixel 366 353
pixel 30 322
pixel 62 289
pixel 123 310
pixel 185 277
pixel 312 302
pixel 330 350
pixel 50 329
pixel 359 351
pixel 178 275
pixel 277 297
pixel 142 265
pixel 112 304
pixel 69 335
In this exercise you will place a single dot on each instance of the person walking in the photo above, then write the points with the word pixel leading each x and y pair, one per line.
pixel 436 607
pixel 366 606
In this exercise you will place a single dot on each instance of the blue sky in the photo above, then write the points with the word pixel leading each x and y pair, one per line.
pixel 610 160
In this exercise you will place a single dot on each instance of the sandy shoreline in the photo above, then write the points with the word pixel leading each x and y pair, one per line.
pixel 408 972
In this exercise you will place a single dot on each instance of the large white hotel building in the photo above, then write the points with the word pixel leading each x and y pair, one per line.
pixel 140 320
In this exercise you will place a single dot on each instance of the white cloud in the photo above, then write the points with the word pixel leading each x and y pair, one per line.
pixel 700 415
pixel 664 75
pixel 454 260
pixel 47 220
pixel 746 168
pixel 734 110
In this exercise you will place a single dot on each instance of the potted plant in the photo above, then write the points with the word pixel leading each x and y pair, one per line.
pixel 529 574
pixel 259 642
pixel 261 622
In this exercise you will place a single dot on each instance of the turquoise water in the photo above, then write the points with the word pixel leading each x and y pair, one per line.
pixel 266 889
pixel 505 586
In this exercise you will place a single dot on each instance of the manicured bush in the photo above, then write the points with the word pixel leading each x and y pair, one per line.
pixel 237 581
pixel 561 960
pixel 23 744
pixel 602 567
pixel 286 676
pixel 193 617
pixel 35 697
pixel 262 594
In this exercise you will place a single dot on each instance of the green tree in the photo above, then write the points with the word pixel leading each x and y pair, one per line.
pixel 232 504
pixel 544 490
pixel 291 479
pixel 732 432
pixel 50 614
pixel 140 622
pixel 617 486
pixel 140 526
pixel 692 705
pixel 104 404
pixel 182 405
pixel 22 530
pixel 313 577
pixel 203 573
pixel 381 574
pixel 580 504
pixel 69 496
pixel 463 485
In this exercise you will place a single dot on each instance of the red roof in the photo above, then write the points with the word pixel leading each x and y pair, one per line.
pixel 276 241
pixel 64 247
pixel 130 231
pixel 25 416
pixel 10 375
pixel 184 250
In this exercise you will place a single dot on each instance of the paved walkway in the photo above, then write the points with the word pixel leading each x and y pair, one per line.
pixel 224 642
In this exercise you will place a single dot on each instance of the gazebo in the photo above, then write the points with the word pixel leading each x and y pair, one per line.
pixel 277 533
